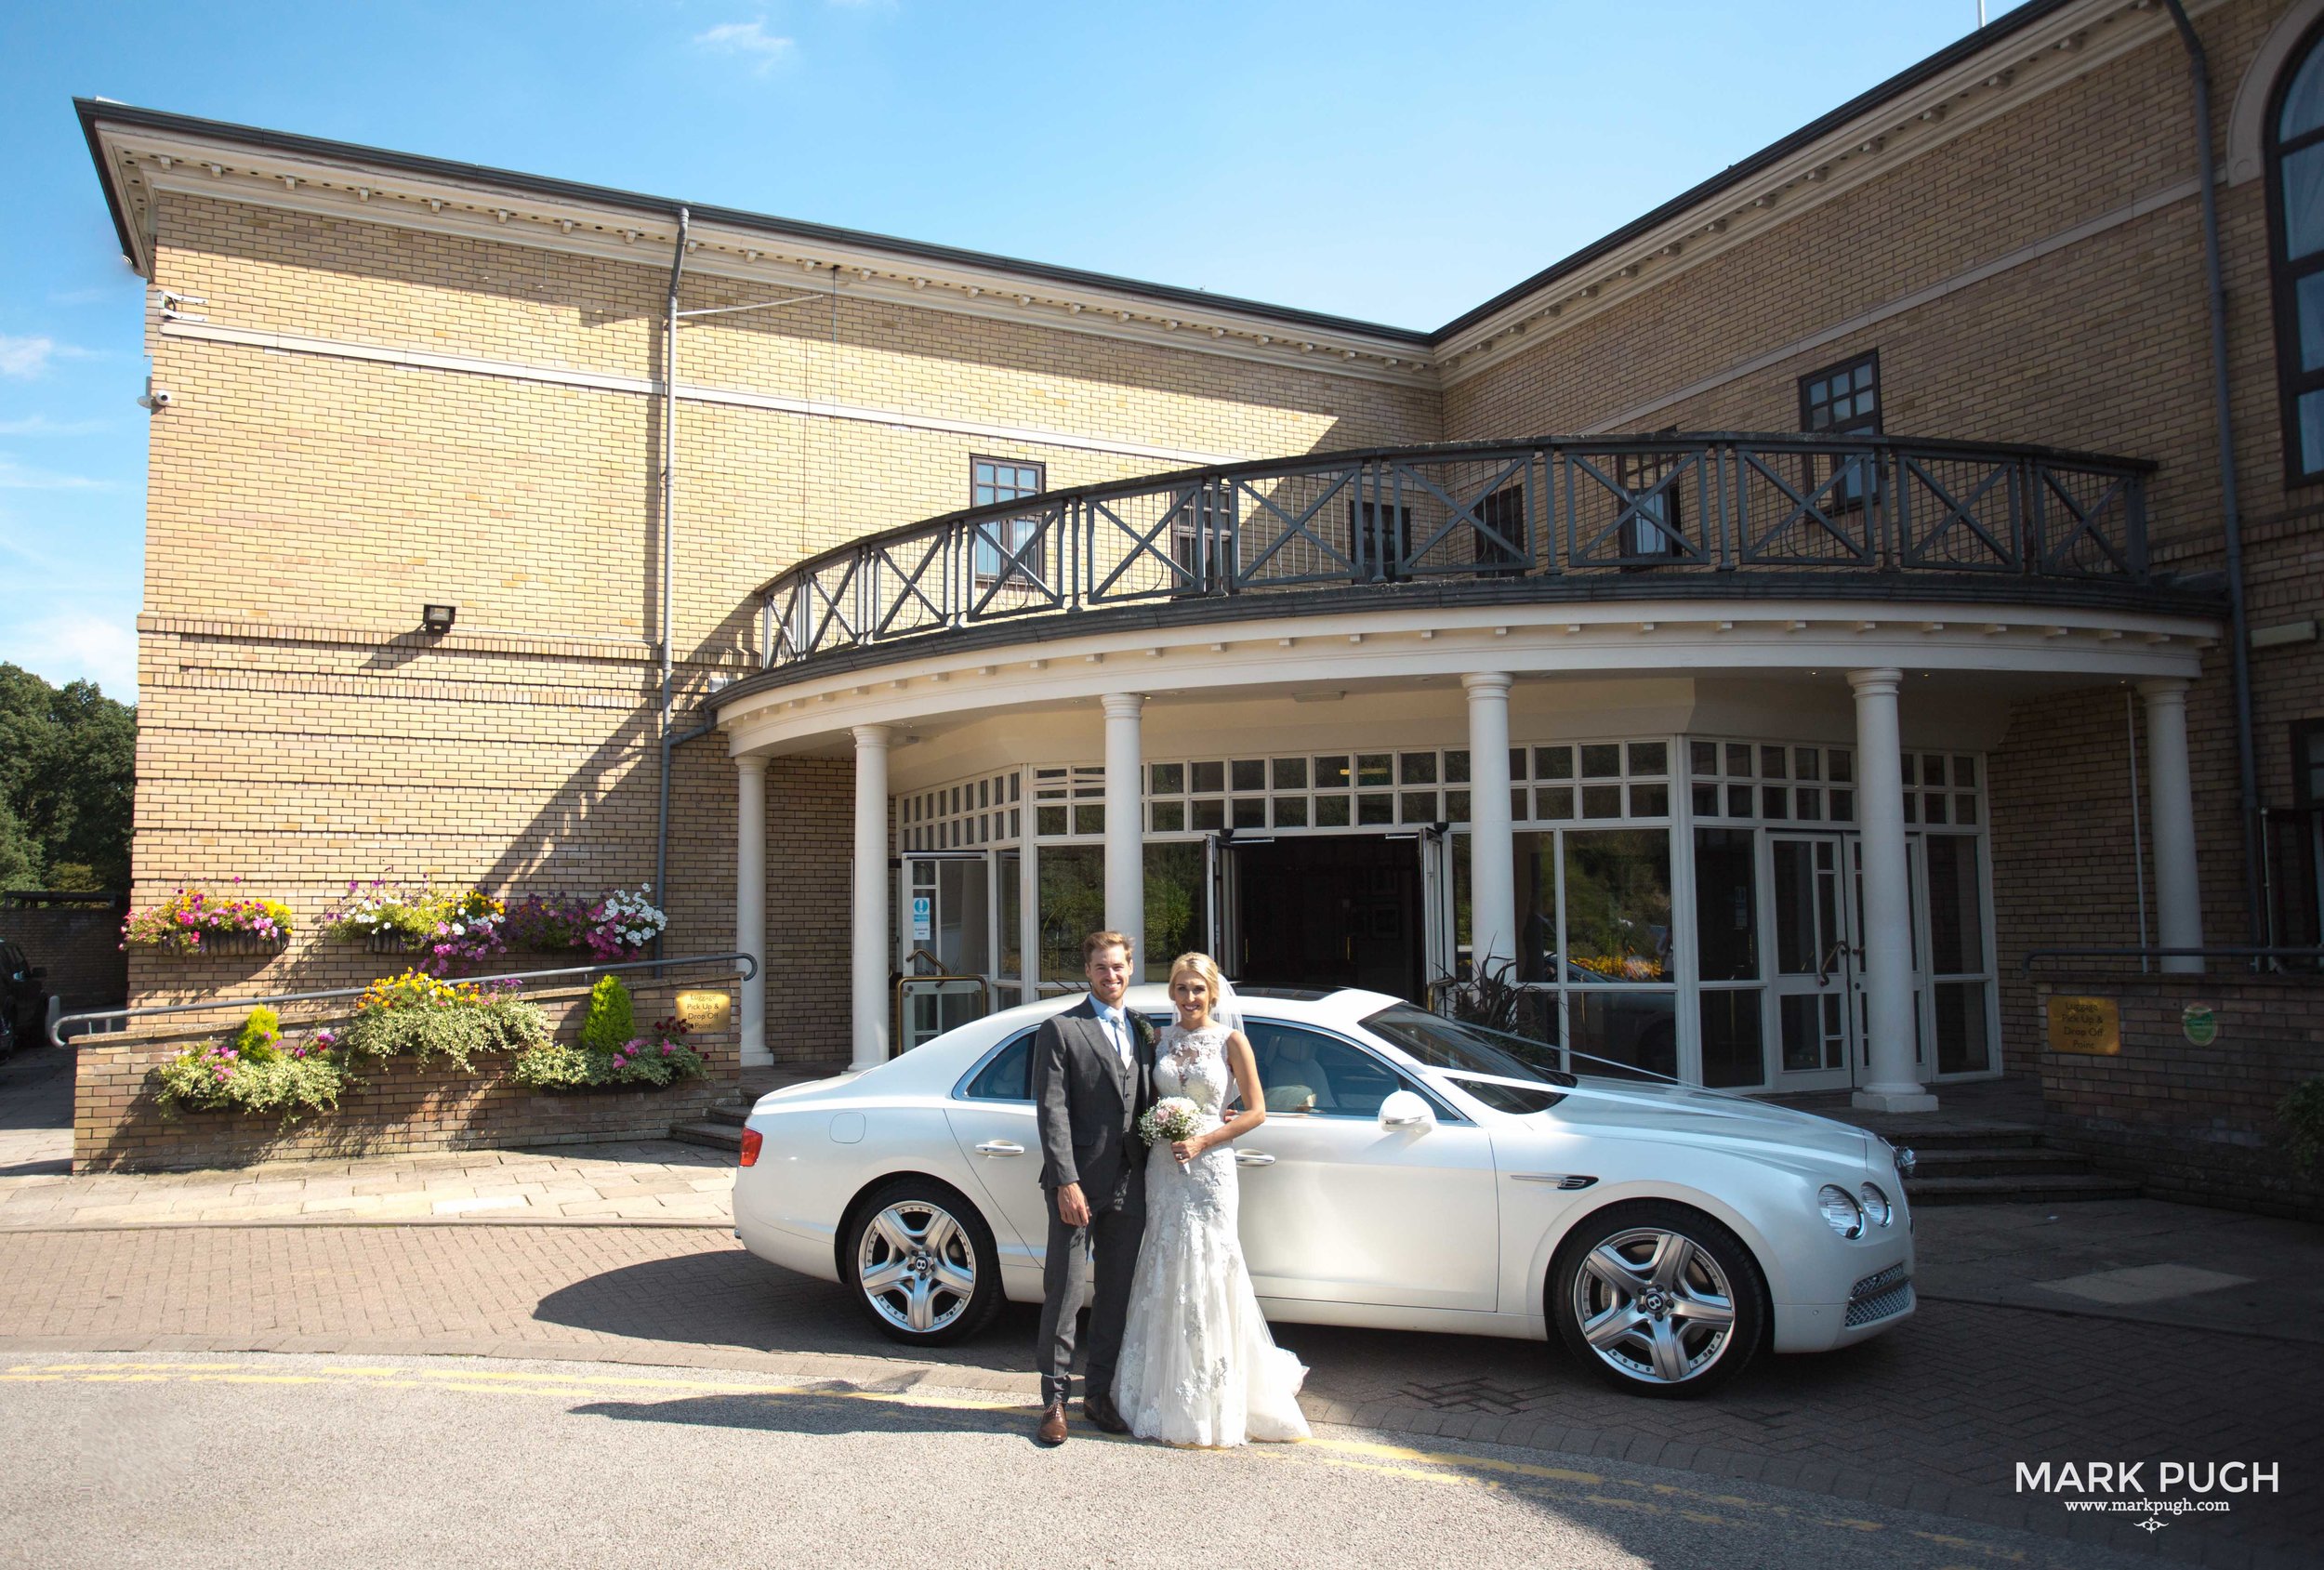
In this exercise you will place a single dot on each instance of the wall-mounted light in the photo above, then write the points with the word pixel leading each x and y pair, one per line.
pixel 437 618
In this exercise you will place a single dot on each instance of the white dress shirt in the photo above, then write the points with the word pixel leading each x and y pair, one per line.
pixel 1116 1024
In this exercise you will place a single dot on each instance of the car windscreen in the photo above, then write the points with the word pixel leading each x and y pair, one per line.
pixel 1459 1048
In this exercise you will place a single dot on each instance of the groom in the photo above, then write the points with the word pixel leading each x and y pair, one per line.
pixel 1092 1076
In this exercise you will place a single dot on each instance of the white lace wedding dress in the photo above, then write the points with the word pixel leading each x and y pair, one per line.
pixel 1197 1366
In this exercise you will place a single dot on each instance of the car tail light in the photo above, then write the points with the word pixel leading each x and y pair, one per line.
pixel 752 1139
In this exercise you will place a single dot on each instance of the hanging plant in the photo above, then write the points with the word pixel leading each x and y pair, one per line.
pixel 191 921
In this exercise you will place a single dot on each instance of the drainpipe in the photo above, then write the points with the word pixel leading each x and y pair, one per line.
pixel 669 491
pixel 2239 633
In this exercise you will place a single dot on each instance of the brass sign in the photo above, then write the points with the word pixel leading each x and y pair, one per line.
pixel 706 1010
pixel 2085 1025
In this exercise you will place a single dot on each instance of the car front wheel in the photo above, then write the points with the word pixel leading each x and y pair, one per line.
pixel 922 1263
pixel 1659 1298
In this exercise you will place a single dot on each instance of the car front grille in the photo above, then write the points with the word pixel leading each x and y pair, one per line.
pixel 1880 1296
pixel 1872 1283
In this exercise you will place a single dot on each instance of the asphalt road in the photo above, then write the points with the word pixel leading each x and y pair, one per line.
pixel 329 1460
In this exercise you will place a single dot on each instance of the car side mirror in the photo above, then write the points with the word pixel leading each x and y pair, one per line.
pixel 1407 1109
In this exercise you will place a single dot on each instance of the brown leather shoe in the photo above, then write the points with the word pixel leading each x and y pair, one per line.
pixel 1098 1408
pixel 1051 1434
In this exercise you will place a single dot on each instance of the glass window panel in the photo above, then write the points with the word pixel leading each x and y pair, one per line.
pixel 2303 101
pixel 1843 806
pixel 984 794
pixel 1964 773
pixel 1457 767
pixel 1774 802
pixel 1553 762
pixel 1071 907
pixel 1807 763
pixel 1416 768
pixel 1842 765
pixel 1457 806
pixel 1933 809
pixel 1649 800
pixel 1964 808
pixel 1808 805
pixel 1649 757
pixel 1331 771
pixel 1739 758
pixel 1371 769
pixel 1960 1039
pixel 1554 803
pixel 1517 802
pixel 1015 831
pixel 1635 1029
pixel 1800 1019
pixel 1956 914
pixel 2303 200
pixel 1739 802
pixel 1290 812
pixel 1178 898
pixel 1933 770
pixel 1517 763
pixel 1250 811
pixel 1011 933
pixel 1416 807
pixel 1209 813
pixel 1209 778
pixel 1375 808
pixel 1907 763
pixel 1168 779
pixel 1734 1055
pixel 1912 808
pixel 1536 868
pixel 1015 781
pixel 1331 812
pixel 1726 904
pixel 2311 413
pixel 1796 949
pixel 1169 817
pixel 1617 904
pixel 1049 819
pixel 1290 774
pixel 1601 761
pixel 1089 820
pixel 1250 773
pixel 1772 763
pixel 2308 313
pixel 1602 801
pixel 1706 800
pixel 1703 758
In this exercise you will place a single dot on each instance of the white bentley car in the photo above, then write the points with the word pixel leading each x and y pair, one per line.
pixel 1413 1173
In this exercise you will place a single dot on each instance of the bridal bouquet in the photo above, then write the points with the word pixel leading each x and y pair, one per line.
pixel 1168 1120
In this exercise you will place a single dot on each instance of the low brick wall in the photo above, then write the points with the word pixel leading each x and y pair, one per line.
pixel 118 1126
pixel 2188 1122
pixel 77 943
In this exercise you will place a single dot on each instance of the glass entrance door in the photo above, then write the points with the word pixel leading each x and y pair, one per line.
pixel 943 944
pixel 1817 960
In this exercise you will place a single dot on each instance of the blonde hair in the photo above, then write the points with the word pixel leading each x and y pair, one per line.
pixel 1201 965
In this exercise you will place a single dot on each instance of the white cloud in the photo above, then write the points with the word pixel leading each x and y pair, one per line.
pixel 27 357
pixel 78 646
pixel 14 476
pixel 41 425
pixel 746 40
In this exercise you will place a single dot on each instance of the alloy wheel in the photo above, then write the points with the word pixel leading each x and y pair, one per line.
pixel 1654 1305
pixel 916 1267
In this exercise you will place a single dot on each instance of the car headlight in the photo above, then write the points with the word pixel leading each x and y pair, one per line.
pixel 1841 1210
pixel 1876 1207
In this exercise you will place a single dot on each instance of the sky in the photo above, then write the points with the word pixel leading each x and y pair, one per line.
pixel 1397 162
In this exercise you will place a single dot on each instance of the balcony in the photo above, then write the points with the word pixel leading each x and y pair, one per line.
pixel 1716 516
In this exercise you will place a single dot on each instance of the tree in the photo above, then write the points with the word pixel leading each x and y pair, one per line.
pixel 68 778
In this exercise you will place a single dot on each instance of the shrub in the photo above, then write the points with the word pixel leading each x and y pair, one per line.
pixel 611 1019
pixel 254 1071
pixel 419 1016
pixel 2303 1115
pixel 180 924
pixel 657 1058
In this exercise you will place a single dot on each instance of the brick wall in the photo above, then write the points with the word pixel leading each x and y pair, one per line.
pixel 2192 1123
pixel 117 1126
pixel 79 945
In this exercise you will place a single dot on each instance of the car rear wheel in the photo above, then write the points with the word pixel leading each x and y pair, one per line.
pixel 1659 1298
pixel 922 1263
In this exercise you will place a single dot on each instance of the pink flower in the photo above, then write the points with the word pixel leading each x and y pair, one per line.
pixel 667 1048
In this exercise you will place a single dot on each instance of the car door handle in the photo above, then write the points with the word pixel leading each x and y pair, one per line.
pixel 1253 1158
pixel 999 1147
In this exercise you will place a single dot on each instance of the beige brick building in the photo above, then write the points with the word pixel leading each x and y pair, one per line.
pixel 1701 661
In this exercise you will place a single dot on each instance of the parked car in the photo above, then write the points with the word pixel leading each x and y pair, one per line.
pixel 1413 1173
pixel 22 1002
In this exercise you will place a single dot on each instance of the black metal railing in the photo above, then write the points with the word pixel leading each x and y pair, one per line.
pixel 1550 508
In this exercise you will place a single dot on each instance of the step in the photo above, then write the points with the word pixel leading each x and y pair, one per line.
pixel 2001 1163
pixel 717 1136
pixel 2016 1191
pixel 733 1113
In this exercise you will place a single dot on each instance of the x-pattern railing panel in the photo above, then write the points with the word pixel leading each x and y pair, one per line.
pixel 1681 504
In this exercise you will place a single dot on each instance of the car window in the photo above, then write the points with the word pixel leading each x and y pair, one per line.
pixel 1503 1096
pixel 1465 1048
pixel 1306 1071
pixel 1006 1075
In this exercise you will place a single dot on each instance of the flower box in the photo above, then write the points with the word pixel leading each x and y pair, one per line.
pixel 243 946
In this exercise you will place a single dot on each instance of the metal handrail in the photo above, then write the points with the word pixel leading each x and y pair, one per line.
pixel 2142 952
pixel 56 1027
pixel 1544 507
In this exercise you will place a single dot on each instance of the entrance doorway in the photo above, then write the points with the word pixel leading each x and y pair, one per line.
pixel 1817 982
pixel 1326 911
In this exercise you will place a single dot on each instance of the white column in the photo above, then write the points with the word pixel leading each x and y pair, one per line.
pixel 872 880
pixel 1885 920
pixel 751 899
pixel 2171 816
pixel 1125 826
pixel 1492 844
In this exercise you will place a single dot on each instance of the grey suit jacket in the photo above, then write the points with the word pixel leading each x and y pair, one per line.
pixel 1087 1102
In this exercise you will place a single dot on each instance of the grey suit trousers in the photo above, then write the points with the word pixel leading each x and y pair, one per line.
pixel 1114 1233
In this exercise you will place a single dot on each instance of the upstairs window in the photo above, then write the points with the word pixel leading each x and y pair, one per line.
pixel 1010 544
pixel 2295 203
pixel 1842 399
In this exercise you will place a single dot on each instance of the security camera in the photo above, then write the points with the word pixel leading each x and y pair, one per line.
pixel 154 399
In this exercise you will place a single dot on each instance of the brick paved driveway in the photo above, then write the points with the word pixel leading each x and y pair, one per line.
pixel 1930 1417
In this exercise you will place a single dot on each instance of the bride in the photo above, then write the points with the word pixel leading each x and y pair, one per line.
pixel 1197 1366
